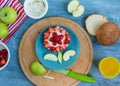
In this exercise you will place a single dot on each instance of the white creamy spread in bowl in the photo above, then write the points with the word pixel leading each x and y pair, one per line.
pixel 35 8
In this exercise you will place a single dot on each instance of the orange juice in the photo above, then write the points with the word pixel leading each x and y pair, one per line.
pixel 109 67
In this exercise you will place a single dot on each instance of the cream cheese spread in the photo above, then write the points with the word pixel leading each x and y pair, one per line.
pixel 35 7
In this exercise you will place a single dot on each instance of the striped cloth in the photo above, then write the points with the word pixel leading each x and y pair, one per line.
pixel 20 19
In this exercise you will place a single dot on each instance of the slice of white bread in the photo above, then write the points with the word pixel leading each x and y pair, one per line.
pixel 93 23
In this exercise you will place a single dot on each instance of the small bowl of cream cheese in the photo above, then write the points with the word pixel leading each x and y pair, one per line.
pixel 36 9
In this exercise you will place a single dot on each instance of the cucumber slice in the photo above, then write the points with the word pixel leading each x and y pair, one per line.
pixel 68 54
pixel 60 57
pixel 51 57
pixel 73 5
pixel 79 11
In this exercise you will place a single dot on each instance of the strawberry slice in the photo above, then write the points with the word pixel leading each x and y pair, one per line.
pixel 47 45
pixel 59 42
pixel 51 30
pixel 52 39
pixel 63 46
pixel 67 35
pixel 54 43
pixel 52 49
pixel 66 41
pixel 4 51
pixel 46 39
pixel 47 34
pixel 3 56
pixel 61 36
pixel 58 49
pixel 57 28
pixel 54 34
pixel 2 62
pixel 56 39
pixel 63 31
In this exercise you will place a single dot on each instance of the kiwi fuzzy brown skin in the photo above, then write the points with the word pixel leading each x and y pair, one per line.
pixel 108 33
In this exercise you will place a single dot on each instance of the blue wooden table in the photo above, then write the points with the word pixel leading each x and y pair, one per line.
pixel 12 75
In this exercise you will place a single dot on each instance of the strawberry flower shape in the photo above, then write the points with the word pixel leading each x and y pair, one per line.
pixel 56 39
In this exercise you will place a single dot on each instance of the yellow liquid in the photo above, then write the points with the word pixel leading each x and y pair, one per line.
pixel 109 67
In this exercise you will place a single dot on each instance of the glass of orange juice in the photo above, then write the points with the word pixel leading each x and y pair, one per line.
pixel 109 67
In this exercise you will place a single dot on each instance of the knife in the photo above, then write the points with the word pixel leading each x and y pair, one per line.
pixel 77 76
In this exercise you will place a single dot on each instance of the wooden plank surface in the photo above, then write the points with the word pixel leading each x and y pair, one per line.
pixel 27 52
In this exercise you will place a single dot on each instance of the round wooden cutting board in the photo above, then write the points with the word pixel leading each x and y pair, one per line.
pixel 27 53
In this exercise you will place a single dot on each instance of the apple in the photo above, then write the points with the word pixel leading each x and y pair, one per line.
pixel 51 57
pixel 60 57
pixel 37 69
pixel 8 15
pixel 3 30
pixel 68 54
pixel 73 5
pixel 79 11
pixel 75 8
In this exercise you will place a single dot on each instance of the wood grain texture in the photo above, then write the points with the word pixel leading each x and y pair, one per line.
pixel 27 53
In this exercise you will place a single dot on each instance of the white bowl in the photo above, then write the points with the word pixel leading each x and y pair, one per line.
pixel 36 9
pixel 3 46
